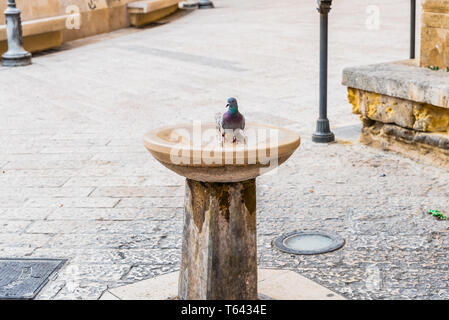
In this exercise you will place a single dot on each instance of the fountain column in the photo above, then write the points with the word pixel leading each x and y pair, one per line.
pixel 219 250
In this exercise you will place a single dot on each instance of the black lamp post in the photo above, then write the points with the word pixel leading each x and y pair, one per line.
pixel 323 133
pixel 16 55
pixel 205 4
pixel 412 29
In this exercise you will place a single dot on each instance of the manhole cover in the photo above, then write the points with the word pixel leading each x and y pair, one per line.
pixel 309 242
pixel 24 278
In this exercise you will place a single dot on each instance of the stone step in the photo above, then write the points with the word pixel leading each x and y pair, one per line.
pixel 147 11
pixel 403 79
pixel 38 26
pixel 39 34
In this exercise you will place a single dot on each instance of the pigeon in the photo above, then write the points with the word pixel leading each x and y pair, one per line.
pixel 232 120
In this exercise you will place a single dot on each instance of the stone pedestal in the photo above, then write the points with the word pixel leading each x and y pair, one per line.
pixel 219 250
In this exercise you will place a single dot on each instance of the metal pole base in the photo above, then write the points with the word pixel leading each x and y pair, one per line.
pixel 16 55
pixel 206 5
pixel 323 133
pixel 16 59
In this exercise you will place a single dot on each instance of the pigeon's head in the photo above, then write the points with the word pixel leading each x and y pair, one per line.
pixel 232 105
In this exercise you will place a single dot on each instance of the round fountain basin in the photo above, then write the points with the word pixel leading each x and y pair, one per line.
pixel 196 152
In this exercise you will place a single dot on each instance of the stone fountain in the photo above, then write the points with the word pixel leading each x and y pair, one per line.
pixel 219 250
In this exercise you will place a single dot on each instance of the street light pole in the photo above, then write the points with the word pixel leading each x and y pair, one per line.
pixel 16 55
pixel 205 4
pixel 323 133
pixel 412 29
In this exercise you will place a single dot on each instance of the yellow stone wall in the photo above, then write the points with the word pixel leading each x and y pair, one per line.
pixel 405 113
pixel 32 9
pixel 94 18
pixel 435 34
pixel 139 20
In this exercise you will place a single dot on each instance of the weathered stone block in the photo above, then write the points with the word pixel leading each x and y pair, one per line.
pixel 432 148
pixel 435 47
pixel 118 14
pixel 354 100
pixel 429 118
pixel 404 80
pixel 94 18
pixel 435 20
pixel 405 113
pixel 148 11
pixel 219 251
pixel 438 6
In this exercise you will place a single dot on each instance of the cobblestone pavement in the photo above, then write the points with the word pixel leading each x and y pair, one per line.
pixel 76 181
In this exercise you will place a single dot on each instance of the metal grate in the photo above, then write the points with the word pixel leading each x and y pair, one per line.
pixel 24 278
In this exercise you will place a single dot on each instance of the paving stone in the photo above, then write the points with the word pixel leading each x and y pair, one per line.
pixel 143 272
pixel 16 252
pixel 101 241
pixel 71 202
pixel 47 192
pixel 65 149
pixel 26 157
pixel 13 226
pixel 51 290
pixel 54 173
pixel 86 290
pixel 135 192
pixel 30 181
pixel 12 202
pixel 52 164
pixel 156 202
pixel 23 240
pixel 105 181
pixel 101 214
pixel 25 213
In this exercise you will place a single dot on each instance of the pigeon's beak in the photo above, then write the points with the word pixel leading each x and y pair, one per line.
pixel 227 106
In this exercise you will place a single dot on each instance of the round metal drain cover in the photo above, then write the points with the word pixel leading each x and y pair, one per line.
pixel 309 242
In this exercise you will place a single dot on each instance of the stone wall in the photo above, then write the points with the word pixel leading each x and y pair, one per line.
pixel 435 34
pixel 32 9
pixel 417 130
pixel 95 17
pixel 409 114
